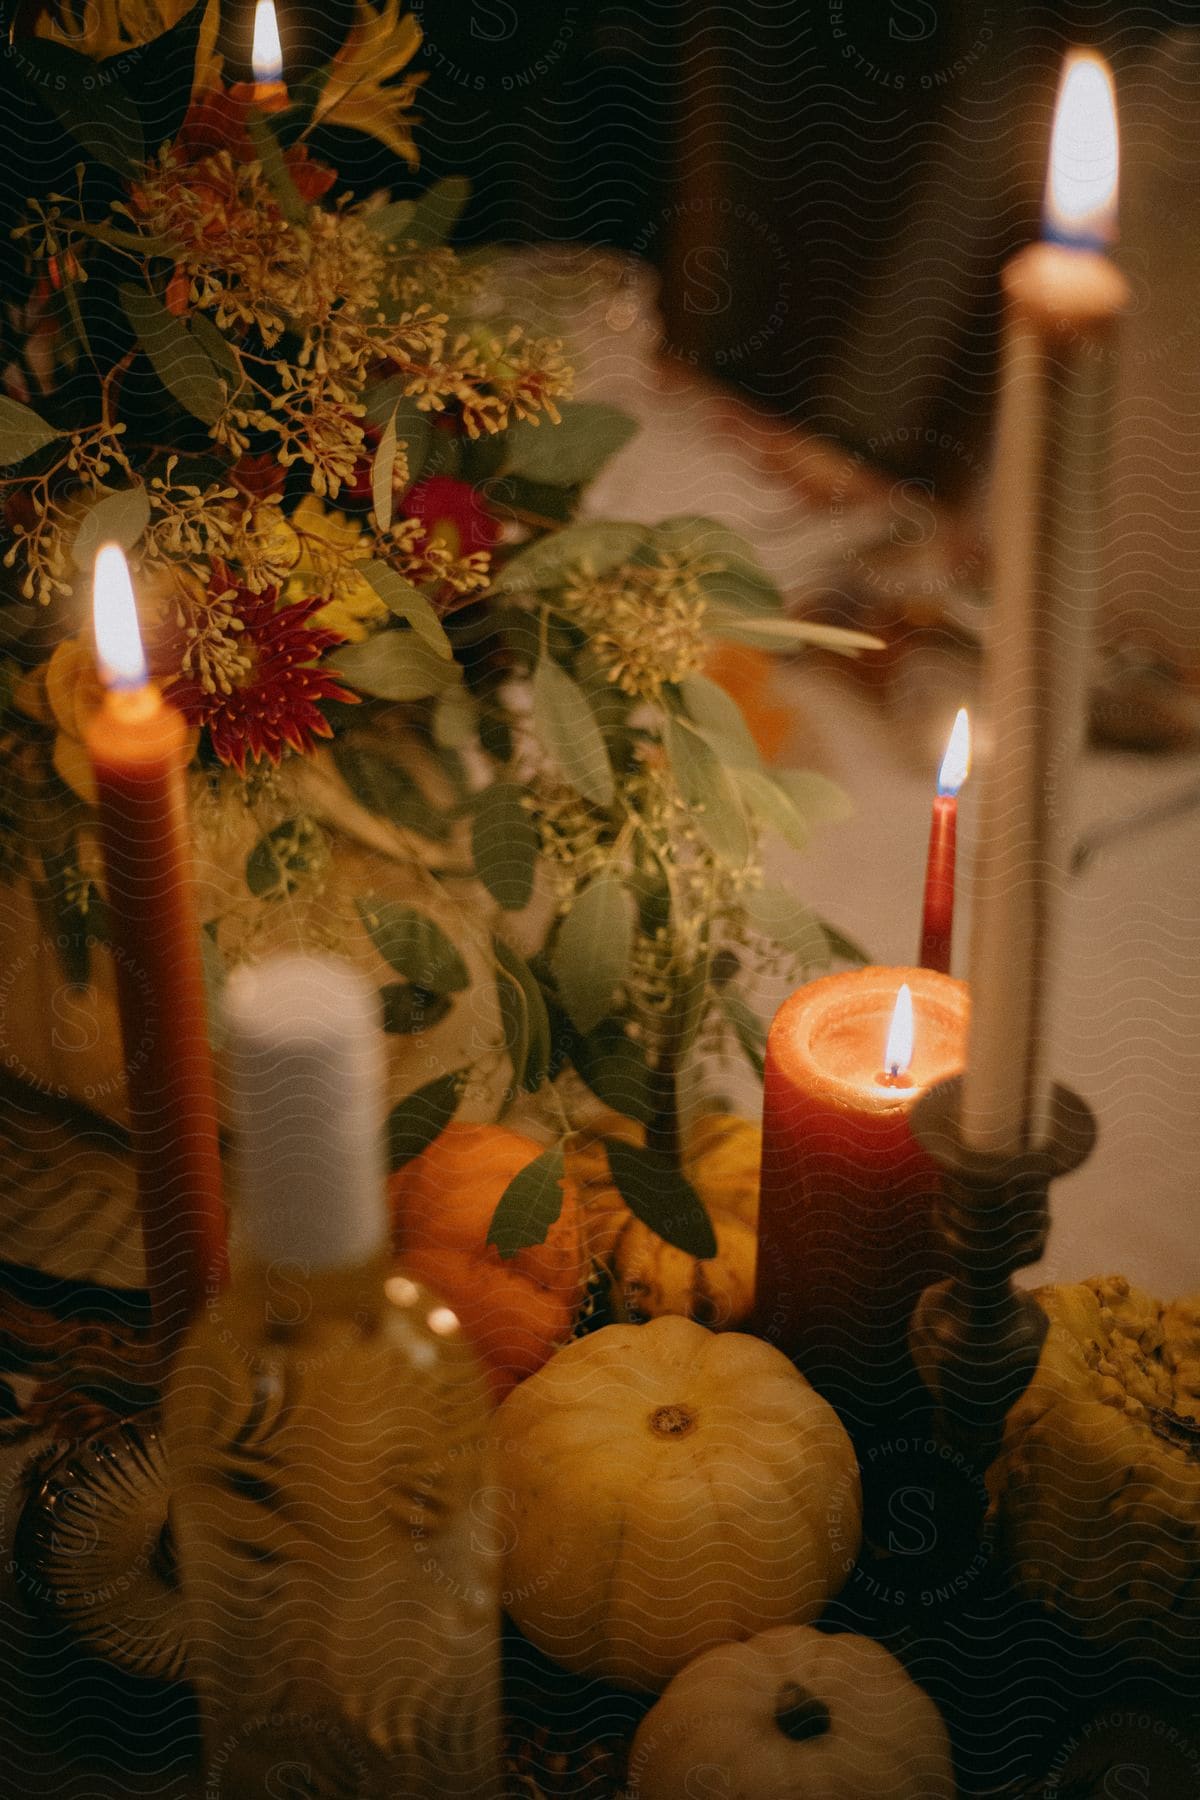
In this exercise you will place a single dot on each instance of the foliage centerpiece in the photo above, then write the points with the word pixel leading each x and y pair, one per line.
pixel 348 485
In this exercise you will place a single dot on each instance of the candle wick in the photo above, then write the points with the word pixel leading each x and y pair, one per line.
pixel 892 1077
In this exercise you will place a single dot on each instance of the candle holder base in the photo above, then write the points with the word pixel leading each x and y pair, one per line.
pixel 974 1338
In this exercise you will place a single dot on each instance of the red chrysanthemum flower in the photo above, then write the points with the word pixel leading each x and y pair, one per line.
pixel 452 510
pixel 275 704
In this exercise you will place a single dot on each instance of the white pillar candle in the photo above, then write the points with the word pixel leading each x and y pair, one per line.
pixel 306 1066
pixel 1063 298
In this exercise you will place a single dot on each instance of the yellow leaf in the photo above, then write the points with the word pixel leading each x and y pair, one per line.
pixel 104 28
pixel 378 46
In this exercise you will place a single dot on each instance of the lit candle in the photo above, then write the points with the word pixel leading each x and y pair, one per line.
pixel 846 1240
pixel 266 57
pixel 937 917
pixel 138 747
pixel 1063 300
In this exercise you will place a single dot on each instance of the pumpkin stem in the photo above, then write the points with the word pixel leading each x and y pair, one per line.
pixel 799 1714
pixel 672 1421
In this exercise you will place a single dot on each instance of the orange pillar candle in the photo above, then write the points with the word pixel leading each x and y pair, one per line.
pixel 937 914
pixel 846 1241
pixel 138 747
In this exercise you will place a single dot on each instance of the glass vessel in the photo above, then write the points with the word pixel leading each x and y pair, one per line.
pixel 325 1426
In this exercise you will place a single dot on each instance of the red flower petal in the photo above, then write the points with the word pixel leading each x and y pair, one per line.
pixel 276 706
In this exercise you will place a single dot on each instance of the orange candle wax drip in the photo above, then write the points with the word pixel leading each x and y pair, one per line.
pixel 846 1238
pixel 138 748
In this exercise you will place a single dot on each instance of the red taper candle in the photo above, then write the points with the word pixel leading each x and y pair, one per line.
pixel 846 1241
pixel 138 747
pixel 937 917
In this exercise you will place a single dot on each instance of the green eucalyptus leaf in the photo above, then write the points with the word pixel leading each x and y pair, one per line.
pixel 614 1067
pixel 657 1192
pixel 843 948
pixel 524 1017
pixel 217 348
pixel 718 715
pixel 179 360
pixel 739 582
pixel 406 602
pixel 543 565
pixel 94 107
pixel 787 634
pixel 389 399
pixel 511 497
pixel 118 518
pixel 412 944
pixel 22 433
pixel 610 705
pixel 408 1009
pixel 769 803
pixel 395 665
pixel 438 211
pixel 720 815
pixel 269 152
pixel 504 843
pixel 569 453
pixel 159 74
pixel 787 923
pixel 383 468
pixel 818 799
pixel 390 222
pixel 386 787
pixel 748 1028
pixel 422 1116
pixel 567 727
pixel 278 861
pixel 455 720
pixel 529 1205
pixel 592 949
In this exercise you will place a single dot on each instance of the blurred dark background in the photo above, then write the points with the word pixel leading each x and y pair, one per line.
pixel 828 190
pixel 828 186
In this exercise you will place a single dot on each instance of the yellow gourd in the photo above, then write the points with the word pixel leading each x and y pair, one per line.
pixel 667 1489
pixel 721 1159
pixel 1096 1492
pixel 793 1715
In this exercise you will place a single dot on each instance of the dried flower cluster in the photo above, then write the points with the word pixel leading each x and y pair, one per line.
pixel 324 446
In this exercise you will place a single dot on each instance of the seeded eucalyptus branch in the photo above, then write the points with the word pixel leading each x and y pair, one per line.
pixel 349 487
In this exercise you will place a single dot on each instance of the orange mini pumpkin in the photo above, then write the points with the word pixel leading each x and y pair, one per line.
pixel 516 1311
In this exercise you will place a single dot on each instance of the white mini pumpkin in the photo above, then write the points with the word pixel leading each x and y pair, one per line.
pixel 793 1715
pixel 669 1489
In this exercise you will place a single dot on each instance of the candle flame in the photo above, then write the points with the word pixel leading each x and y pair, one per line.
pixel 119 650
pixel 956 764
pixel 267 56
pixel 899 1052
pixel 1081 193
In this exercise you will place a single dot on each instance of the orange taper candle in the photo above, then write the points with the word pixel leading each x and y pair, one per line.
pixel 846 1240
pixel 269 93
pixel 138 747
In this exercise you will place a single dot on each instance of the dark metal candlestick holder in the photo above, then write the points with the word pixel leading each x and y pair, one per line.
pixel 975 1339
